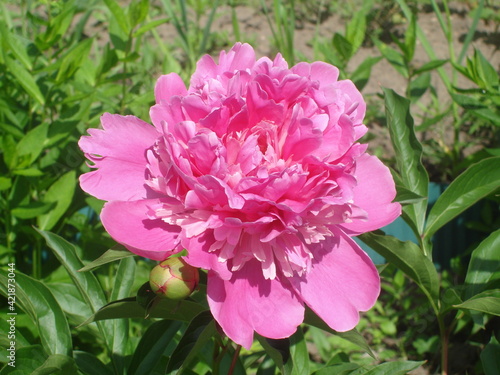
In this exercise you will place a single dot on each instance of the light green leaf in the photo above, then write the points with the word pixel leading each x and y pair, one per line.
pixel 25 79
pixel 28 359
pixel 33 142
pixel 34 298
pixel 478 181
pixel 61 193
pixel 486 302
pixel 431 65
pixel 393 56
pixel 362 73
pixel 408 152
pixel 299 353
pixel 419 86
pixel 410 259
pixel 410 38
pixel 16 46
pixel 393 368
pixel 115 253
pixel 119 15
pixel 73 59
pixel 484 265
pixel 405 196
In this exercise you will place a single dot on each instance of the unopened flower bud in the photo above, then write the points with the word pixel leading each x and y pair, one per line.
pixel 174 278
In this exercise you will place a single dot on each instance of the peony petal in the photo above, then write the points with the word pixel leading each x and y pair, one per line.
pixel 129 224
pixel 342 282
pixel 249 303
pixel 169 85
pixel 373 194
pixel 119 154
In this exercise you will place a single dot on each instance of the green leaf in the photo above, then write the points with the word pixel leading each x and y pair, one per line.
pixel 410 259
pixel 405 196
pixel 32 209
pixel 352 336
pixel 115 253
pixel 152 346
pixel 299 353
pixel 57 364
pixel 343 46
pixel 33 142
pixel 86 282
pixel 490 357
pixel 393 57
pixel 124 279
pixel 61 193
pixel 28 359
pixel 419 86
pixel 5 183
pixel 278 350
pixel 73 59
pixel 477 182
pixel 338 369
pixel 362 73
pixel 355 31
pixel 408 152
pixel 25 79
pixel 149 26
pixel 484 265
pixel 119 15
pixel 129 308
pixel 34 298
pixel 199 332
pixel 16 46
pixel 59 24
pixel 410 38
pixel 393 368
pixel 431 65
pixel 486 302
pixel 89 364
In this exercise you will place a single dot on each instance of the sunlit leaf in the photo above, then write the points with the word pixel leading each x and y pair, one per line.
pixel 478 181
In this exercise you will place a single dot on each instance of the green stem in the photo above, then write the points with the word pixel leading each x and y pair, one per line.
pixel 444 333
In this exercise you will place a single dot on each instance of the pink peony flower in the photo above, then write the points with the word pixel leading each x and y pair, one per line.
pixel 255 170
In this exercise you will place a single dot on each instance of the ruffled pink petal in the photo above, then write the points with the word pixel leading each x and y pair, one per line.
pixel 169 85
pixel 118 151
pixel 249 303
pixel 373 194
pixel 342 282
pixel 129 224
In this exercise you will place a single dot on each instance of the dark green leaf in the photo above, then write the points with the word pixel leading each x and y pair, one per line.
pixel 419 86
pixel 34 298
pixel 484 265
pixel 89 364
pixel 339 369
pixel 352 336
pixel 278 350
pixel 410 259
pixel 490 357
pixel 410 38
pixel 408 152
pixel 167 309
pixel 27 360
pixel 199 332
pixel 57 364
pixel 343 46
pixel 153 343
pixel 32 210
pixel 478 181
pixel 361 75
pixel 393 368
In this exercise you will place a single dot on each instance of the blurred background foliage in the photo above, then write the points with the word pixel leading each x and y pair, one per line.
pixel 64 63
